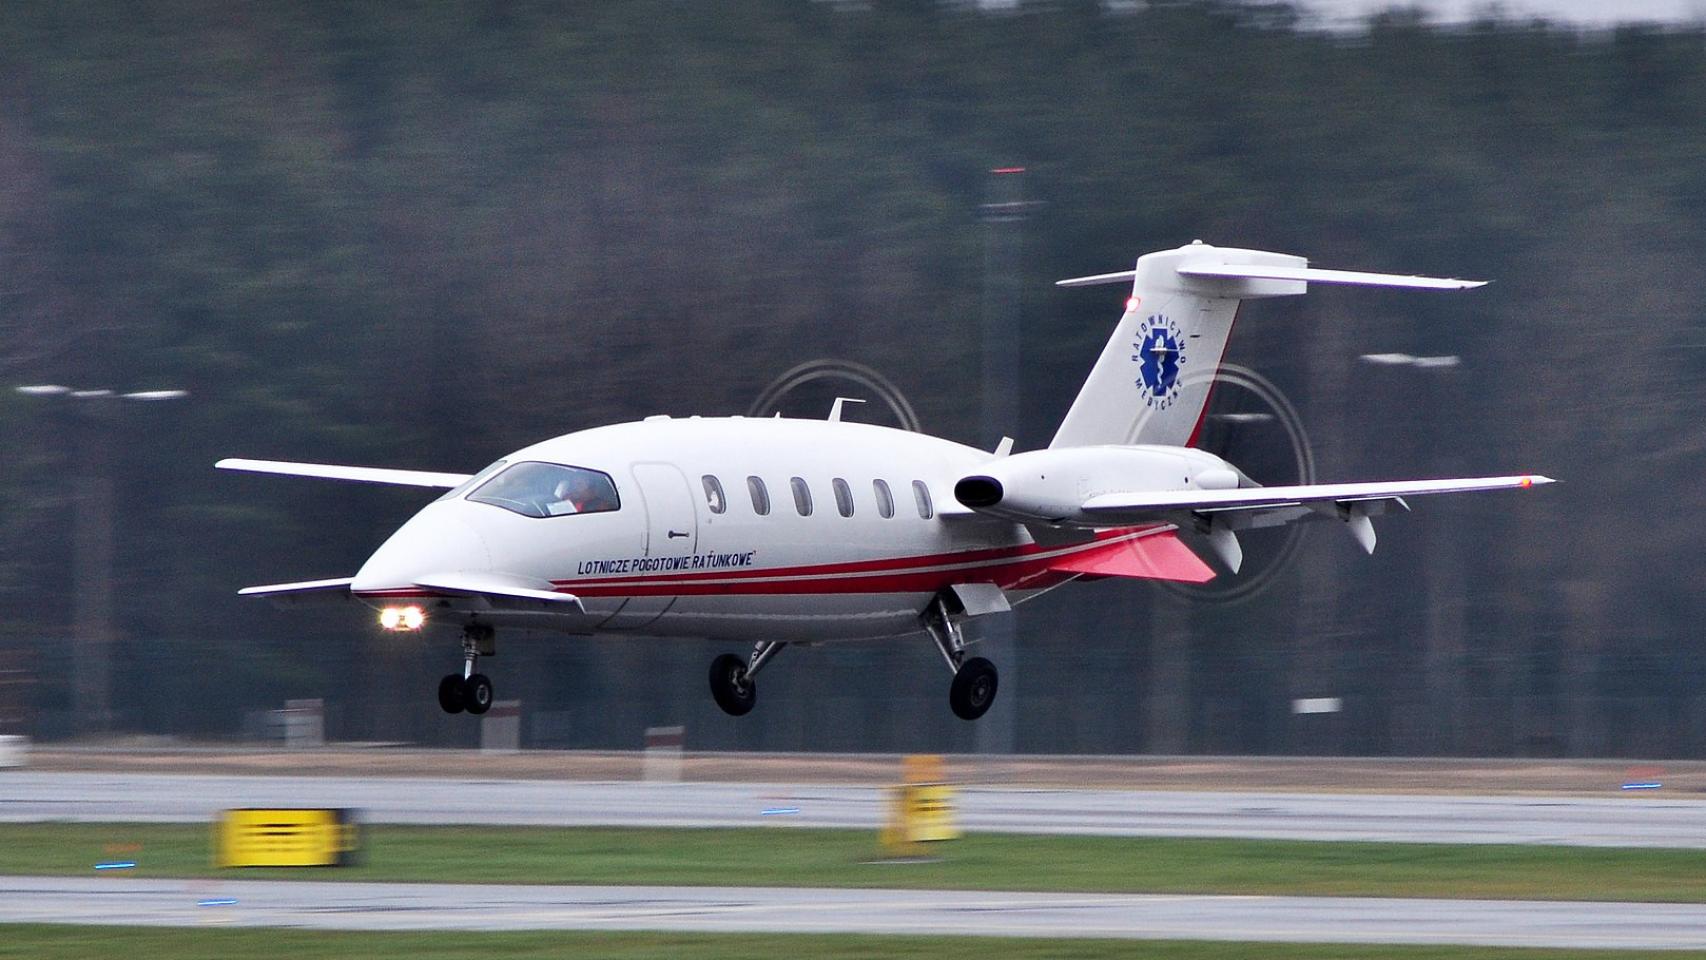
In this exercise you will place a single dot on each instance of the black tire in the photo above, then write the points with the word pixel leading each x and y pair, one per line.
pixel 477 694
pixel 730 687
pixel 450 693
pixel 974 688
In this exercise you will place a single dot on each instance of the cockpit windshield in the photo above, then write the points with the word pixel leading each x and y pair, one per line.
pixel 549 490
pixel 473 481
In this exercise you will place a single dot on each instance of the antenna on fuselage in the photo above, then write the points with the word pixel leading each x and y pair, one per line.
pixel 835 408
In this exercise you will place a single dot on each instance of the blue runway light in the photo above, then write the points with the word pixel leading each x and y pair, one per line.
pixel 778 811
pixel 216 902
pixel 121 865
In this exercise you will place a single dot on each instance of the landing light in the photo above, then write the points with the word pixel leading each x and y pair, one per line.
pixel 402 618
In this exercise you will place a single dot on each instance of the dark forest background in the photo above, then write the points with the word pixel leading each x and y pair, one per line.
pixel 424 234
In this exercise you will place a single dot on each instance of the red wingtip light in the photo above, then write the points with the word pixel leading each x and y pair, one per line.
pixel 1527 482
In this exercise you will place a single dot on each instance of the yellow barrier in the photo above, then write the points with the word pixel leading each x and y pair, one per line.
pixel 921 810
pixel 286 838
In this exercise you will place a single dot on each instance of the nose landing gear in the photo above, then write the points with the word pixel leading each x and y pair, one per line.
pixel 468 690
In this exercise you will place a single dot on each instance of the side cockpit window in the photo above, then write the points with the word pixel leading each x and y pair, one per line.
pixel 549 490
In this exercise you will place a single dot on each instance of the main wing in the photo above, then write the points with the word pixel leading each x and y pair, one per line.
pixel 1137 506
pixel 332 471
pixel 1217 513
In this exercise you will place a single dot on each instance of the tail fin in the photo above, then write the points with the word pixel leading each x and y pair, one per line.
pixel 1152 381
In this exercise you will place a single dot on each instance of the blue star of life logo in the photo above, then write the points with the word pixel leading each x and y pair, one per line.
pixel 1158 353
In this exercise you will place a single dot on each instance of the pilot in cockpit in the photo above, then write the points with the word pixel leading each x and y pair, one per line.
pixel 578 493
pixel 568 496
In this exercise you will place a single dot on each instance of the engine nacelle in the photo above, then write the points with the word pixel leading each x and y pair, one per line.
pixel 1050 486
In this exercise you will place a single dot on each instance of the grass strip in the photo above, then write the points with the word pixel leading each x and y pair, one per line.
pixel 53 942
pixel 782 856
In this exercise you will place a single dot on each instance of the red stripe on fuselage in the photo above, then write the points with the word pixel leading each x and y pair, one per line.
pixel 881 565
pixel 1022 566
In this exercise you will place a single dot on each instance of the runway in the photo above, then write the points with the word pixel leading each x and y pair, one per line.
pixel 373 906
pixel 1641 820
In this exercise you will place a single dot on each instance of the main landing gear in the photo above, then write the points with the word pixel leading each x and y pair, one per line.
pixel 970 695
pixel 732 685
pixel 975 680
pixel 468 690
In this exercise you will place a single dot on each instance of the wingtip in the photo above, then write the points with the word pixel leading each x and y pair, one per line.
pixel 1536 480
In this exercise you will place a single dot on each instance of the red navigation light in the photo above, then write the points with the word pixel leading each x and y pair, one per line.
pixel 1008 170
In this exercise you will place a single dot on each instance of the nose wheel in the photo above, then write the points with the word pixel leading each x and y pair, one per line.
pixel 468 690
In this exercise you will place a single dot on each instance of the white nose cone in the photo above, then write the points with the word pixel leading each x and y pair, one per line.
pixel 435 540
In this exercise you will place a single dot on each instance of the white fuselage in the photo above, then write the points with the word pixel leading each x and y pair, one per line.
pixel 667 561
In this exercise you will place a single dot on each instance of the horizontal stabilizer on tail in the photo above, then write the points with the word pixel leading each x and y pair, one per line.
pixel 332 471
pixel 1237 271
pixel 1313 275
pixel 1100 278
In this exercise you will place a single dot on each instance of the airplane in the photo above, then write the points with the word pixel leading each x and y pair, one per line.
pixel 780 531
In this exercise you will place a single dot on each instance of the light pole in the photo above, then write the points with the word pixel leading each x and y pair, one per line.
pixel 1003 217
pixel 92 550
pixel 1441 727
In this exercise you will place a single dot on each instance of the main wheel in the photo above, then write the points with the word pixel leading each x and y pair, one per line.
pixel 477 694
pixel 730 686
pixel 973 689
pixel 450 693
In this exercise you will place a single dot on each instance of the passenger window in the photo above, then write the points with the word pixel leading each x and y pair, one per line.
pixel 843 497
pixel 921 493
pixel 885 499
pixel 714 494
pixel 760 496
pixel 802 496
pixel 548 490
